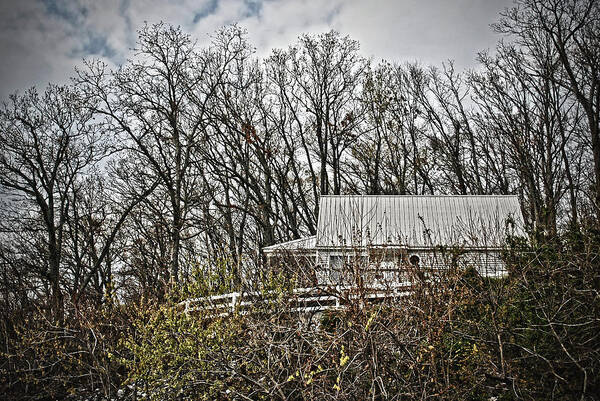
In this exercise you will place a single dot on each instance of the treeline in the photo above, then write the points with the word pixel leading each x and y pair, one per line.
pixel 190 158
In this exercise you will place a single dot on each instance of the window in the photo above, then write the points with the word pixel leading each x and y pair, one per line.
pixel 414 260
pixel 336 261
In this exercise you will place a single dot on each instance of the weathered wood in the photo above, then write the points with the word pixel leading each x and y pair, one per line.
pixel 311 299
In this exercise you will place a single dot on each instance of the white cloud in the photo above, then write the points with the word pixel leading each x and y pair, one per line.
pixel 30 42
pixel 42 42
pixel 429 31
pixel 282 22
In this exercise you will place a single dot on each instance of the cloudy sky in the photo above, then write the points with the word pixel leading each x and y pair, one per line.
pixel 42 41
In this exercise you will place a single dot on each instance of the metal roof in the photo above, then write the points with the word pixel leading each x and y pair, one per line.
pixel 306 243
pixel 416 221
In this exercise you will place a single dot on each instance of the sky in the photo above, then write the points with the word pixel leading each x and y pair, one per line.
pixel 42 41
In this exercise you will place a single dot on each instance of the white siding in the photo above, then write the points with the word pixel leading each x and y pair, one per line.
pixel 337 268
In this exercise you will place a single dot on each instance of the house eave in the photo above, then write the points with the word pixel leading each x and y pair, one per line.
pixel 387 248
pixel 420 248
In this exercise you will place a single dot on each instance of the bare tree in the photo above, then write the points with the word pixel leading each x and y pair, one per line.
pixel 48 142
pixel 533 119
pixel 571 29
pixel 148 101
pixel 317 83
pixel 450 132
pixel 392 153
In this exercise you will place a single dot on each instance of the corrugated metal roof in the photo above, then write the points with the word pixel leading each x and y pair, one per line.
pixel 416 221
pixel 306 243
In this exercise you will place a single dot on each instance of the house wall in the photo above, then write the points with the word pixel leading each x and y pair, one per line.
pixel 344 268
pixel 487 263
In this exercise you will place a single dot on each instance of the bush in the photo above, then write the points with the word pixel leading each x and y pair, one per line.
pixel 43 359
pixel 531 335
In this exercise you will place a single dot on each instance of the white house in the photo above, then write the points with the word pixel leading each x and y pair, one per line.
pixel 385 236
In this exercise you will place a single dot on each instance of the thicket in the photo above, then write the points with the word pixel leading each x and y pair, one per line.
pixel 531 335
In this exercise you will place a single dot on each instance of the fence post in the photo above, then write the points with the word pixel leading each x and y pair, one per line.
pixel 233 301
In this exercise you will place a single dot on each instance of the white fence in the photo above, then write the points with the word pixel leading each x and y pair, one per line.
pixel 303 300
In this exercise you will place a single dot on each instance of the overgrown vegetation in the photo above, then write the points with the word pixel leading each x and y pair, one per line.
pixel 531 335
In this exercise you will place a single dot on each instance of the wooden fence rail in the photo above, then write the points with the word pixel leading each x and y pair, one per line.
pixel 303 300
